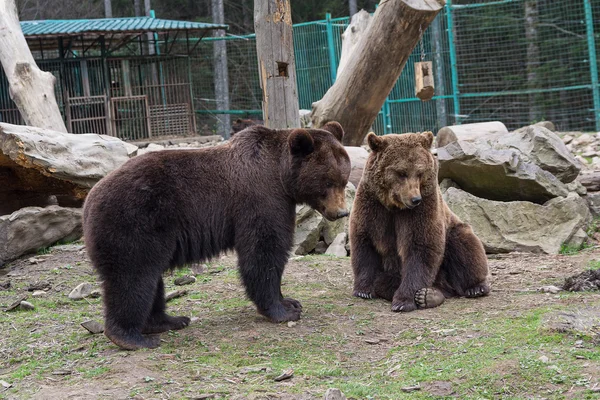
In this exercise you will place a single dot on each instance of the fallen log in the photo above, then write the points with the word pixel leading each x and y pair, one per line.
pixel 470 132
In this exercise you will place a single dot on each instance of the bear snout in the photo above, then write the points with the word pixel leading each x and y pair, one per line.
pixel 415 201
pixel 335 214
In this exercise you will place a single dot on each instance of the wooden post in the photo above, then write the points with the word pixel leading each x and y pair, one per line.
pixel 31 89
pixel 374 66
pixel 221 77
pixel 276 64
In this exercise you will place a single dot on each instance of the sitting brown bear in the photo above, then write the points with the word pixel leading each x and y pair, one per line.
pixel 406 244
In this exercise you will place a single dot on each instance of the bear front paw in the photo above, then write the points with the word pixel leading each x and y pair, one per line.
pixel 403 306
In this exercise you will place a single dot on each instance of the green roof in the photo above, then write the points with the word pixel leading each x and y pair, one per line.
pixel 76 27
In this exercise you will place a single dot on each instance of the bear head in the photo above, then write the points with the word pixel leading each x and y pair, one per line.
pixel 320 169
pixel 401 170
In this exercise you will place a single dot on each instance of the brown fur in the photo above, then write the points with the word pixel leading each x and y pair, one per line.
pixel 403 236
pixel 169 208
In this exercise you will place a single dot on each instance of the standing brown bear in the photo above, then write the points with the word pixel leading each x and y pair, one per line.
pixel 165 209
pixel 406 244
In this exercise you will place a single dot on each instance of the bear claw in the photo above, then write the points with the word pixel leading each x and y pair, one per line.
pixel 403 306
pixel 478 291
pixel 363 295
pixel 429 298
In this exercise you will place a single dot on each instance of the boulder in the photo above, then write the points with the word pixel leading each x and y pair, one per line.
pixel 311 225
pixel 593 200
pixel 497 174
pixel 31 228
pixel 470 132
pixel 544 148
pixel 521 226
pixel 338 246
pixel 358 160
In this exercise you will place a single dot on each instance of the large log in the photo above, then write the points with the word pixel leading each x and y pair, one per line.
pixel 470 132
pixel 276 63
pixel 38 162
pixel 31 89
pixel 374 66
pixel 351 36
pixel 590 180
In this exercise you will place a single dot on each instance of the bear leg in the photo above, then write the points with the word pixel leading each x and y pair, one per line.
pixel 419 270
pixel 127 308
pixel 386 285
pixel 159 321
pixel 261 266
pixel 464 269
pixel 366 264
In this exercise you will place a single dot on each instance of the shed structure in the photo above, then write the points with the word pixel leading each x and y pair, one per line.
pixel 124 77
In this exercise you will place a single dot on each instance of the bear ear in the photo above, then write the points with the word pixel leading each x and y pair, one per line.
pixel 375 142
pixel 301 143
pixel 334 128
pixel 427 139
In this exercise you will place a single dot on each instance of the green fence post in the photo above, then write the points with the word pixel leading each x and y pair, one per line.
pixel 387 121
pixel 453 66
pixel 331 48
pixel 589 24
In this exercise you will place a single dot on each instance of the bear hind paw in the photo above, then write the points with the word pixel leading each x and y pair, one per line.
pixel 363 294
pixel 166 323
pixel 134 341
pixel 429 298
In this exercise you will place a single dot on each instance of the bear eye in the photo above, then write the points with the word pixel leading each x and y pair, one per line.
pixel 401 175
pixel 329 185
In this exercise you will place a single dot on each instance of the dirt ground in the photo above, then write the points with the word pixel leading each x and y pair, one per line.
pixel 507 345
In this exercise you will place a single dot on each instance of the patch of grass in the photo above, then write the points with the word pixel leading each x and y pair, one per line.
pixel 569 250
pixel 594 265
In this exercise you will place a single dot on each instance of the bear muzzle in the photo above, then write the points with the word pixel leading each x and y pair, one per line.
pixel 334 215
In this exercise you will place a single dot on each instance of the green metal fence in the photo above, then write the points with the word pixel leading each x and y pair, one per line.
pixel 517 61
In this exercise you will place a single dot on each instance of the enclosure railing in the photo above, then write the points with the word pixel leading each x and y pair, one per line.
pixel 517 61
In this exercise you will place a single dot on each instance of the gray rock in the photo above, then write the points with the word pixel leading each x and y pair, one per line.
pixel 184 280
pixel 358 160
pixel 577 187
pixel 31 228
pixel 593 200
pixel 81 291
pixel 95 294
pixel 521 226
pixel 311 226
pixel 305 120
pixel 545 149
pixel 26 306
pixel 321 247
pixel 567 139
pixel 446 183
pixel 497 174
pixel 39 293
pixel 338 246
pixel 93 327
pixel 550 289
pixel 334 394
pixel 583 140
pixel 546 124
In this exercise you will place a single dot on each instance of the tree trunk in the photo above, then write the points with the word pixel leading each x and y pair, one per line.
pixel 374 66
pixel 221 76
pixel 351 36
pixel 137 8
pixel 276 64
pixel 353 7
pixel 438 61
pixel 107 8
pixel 31 89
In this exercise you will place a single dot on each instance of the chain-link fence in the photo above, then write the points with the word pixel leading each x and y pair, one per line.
pixel 517 61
